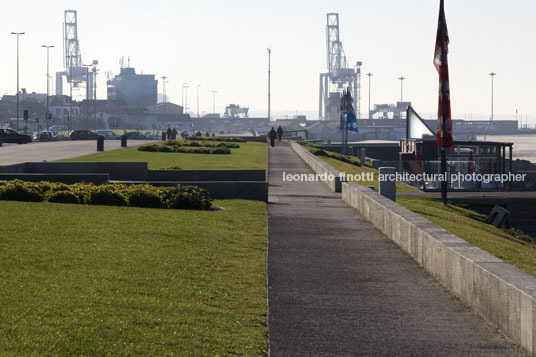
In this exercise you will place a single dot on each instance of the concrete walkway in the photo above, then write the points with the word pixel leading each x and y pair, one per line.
pixel 338 287
pixel 57 150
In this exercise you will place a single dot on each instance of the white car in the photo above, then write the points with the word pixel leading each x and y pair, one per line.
pixel 108 134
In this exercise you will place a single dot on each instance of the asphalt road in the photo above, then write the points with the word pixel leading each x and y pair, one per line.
pixel 56 150
pixel 338 287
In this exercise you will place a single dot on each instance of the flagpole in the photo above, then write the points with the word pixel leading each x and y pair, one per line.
pixel 444 105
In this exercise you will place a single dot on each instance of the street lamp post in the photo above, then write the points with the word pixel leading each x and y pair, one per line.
pixel 71 95
pixel 17 34
pixel 269 80
pixel 87 93
pixel 48 81
pixel 369 75
pixel 214 101
pixel 401 88
pixel 492 74
pixel 182 95
pixel 95 92
pixel 164 92
pixel 186 98
pixel 197 97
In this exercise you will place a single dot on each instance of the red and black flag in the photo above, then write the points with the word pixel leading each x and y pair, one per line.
pixel 442 66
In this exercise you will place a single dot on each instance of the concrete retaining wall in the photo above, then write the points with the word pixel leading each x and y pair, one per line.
pixel 501 293
pixel 318 166
pixel 206 175
pixel 136 171
pixel 97 179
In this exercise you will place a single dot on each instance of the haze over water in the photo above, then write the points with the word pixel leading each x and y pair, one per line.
pixel 524 147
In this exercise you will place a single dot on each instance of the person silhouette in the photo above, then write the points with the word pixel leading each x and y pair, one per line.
pixel 272 136
pixel 279 133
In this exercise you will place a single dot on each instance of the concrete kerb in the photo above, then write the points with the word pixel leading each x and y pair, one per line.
pixel 501 293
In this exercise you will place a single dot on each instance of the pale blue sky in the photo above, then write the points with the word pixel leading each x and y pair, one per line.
pixel 222 46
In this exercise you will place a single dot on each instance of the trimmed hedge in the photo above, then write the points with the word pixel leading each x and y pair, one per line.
pixel 197 143
pixel 344 158
pixel 184 149
pixel 217 138
pixel 147 196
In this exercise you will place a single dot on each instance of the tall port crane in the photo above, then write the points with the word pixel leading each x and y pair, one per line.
pixel 339 75
pixel 75 72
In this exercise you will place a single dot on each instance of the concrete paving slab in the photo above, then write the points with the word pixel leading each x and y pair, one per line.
pixel 338 287
pixel 57 150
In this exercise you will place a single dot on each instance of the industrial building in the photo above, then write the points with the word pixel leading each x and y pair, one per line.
pixel 137 90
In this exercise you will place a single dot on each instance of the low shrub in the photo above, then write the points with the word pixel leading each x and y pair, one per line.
pixel 188 197
pixel 220 150
pixel 217 138
pixel 144 196
pixel 147 196
pixel 63 197
pixel 17 190
pixel 188 149
pixel 344 158
pixel 107 195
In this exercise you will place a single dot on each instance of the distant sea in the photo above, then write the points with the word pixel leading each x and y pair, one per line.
pixel 524 145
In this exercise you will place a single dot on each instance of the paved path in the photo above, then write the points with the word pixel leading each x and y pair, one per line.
pixel 56 150
pixel 339 287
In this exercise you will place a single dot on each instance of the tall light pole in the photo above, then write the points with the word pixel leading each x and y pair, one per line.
pixel 369 75
pixel 17 34
pixel 401 88
pixel 186 98
pixel 197 97
pixel 492 74
pixel 71 95
pixel 48 81
pixel 269 79
pixel 95 70
pixel 164 91
pixel 182 95
pixel 214 101
pixel 87 93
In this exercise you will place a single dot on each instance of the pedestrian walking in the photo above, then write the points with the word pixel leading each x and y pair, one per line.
pixel 169 133
pixel 174 134
pixel 279 133
pixel 272 135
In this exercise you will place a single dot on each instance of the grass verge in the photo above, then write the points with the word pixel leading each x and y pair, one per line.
pixel 88 280
pixel 353 170
pixel 511 246
pixel 251 156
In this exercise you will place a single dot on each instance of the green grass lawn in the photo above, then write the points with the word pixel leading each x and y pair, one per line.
pixel 94 280
pixel 249 156
pixel 469 225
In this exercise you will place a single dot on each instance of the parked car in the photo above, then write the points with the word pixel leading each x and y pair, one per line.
pixel 109 134
pixel 134 135
pixel 47 136
pixel 151 136
pixel 11 136
pixel 84 135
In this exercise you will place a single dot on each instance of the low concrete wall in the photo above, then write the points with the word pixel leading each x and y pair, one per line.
pixel 245 190
pixel 136 171
pixel 501 293
pixel 318 166
pixel 206 175
pixel 97 179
